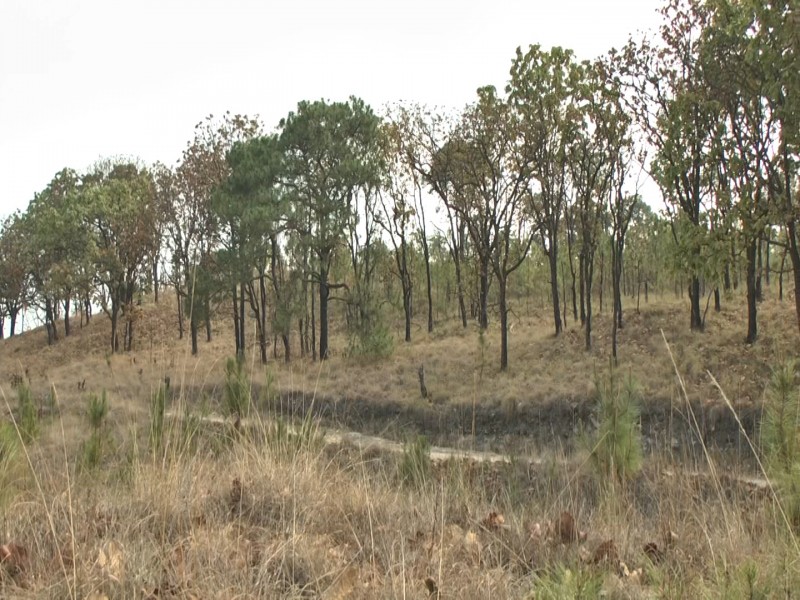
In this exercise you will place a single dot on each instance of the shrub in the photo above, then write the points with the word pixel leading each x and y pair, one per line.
pixel 780 437
pixel 415 465
pixel 92 450
pixel 28 421
pixel 237 388
pixel 617 449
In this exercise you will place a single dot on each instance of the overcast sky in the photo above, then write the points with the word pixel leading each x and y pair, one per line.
pixel 84 79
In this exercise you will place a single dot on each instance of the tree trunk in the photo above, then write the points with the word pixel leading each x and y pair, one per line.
pixel 717 300
pixel 242 340
pixel 483 293
pixel 313 325
pixel 155 281
pixel 460 289
pixel 426 253
pixel 67 328
pixel 237 328
pixel 553 259
pixel 696 318
pixel 502 283
pixel 12 325
pixel 323 315
pixel 752 292
pixel 589 267
pixel 794 254
pixel 582 286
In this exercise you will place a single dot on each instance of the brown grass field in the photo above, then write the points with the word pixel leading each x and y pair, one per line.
pixel 273 510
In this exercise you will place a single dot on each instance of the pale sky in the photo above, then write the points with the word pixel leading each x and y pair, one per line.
pixel 85 79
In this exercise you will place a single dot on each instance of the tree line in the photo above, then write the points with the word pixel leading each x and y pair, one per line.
pixel 543 177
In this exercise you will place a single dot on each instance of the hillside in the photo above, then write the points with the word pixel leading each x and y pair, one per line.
pixel 200 508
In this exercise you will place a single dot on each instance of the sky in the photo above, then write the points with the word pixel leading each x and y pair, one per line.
pixel 86 79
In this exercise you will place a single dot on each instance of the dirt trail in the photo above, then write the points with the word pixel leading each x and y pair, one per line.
pixel 370 443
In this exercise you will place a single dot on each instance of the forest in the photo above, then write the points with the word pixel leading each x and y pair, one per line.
pixel 343 211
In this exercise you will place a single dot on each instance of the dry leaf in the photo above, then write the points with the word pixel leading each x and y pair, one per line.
pixel 606 553
pixel 433 590
pixel 110 559
pixel 14 558
pixel 493 521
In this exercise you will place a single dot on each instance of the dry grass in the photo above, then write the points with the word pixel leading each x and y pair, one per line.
pixel 229 515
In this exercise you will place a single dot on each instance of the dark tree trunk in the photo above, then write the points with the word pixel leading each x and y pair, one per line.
pixel 193 328
pixel 483 293
pixel 155 281
pixel 502 283
pixel 67 306
pixel 460 289
pixel 287 349
pixel 237 327
pixel 553 259
pixel 752 292
pixel 717 300
pixel 242 340
pixel 589 267
pixel 696 318
pixel 323 315
pixel 582 286
pixel 12 325
pixel 426 253
pixel 313 325
pixel 794 254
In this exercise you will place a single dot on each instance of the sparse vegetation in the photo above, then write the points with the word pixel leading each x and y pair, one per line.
pixel 617 447
pixel 780 434
pixel 28 415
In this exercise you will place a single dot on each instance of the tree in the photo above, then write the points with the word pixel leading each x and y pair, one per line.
pixel 14 280
pixel 591 163
pixel 491 173
pixel 733 69
pixel 330 155
pixel 58 248
pixel 191 224
pixel 397 212
pixel 544 90
pixel 249 208
pixel 678 117
pixel 119 207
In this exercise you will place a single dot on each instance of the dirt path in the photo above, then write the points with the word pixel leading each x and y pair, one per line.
pixel 370 443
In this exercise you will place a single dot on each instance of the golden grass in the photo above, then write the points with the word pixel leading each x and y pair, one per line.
pixel 227 516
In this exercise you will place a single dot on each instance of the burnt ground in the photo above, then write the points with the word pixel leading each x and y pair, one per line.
pixel 561 424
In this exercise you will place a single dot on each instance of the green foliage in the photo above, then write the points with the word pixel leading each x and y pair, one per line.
pixel 370 336
pixel 92 450
pixel 415 464
pixel 565 583
pixel 28 420
pixel 780 437
pixel 237 389
pixel 617 449
pixel 97 410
